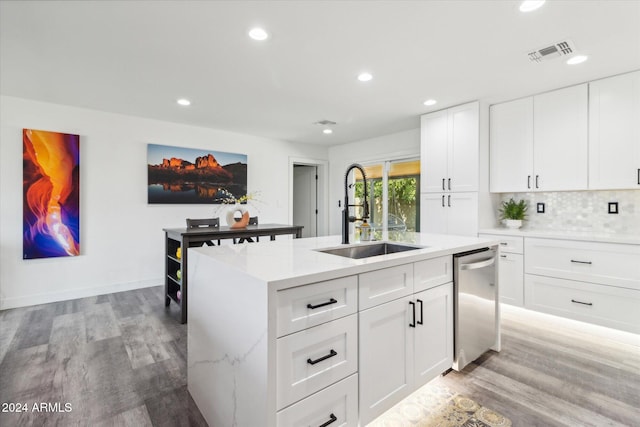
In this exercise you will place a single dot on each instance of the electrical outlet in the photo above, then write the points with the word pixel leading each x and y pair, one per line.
pixel 540 208
pixel 613 207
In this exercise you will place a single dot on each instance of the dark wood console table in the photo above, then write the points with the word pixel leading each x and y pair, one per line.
pixel 187 238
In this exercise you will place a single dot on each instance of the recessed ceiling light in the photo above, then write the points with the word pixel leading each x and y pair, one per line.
pixel 327 131
pixel 577 59
pixel 184 102
pixel 258 34
pixel 365 77
pixel 530 5
pixel 430 102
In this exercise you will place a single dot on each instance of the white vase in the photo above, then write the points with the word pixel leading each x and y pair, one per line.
pixel 231 211
pixel 513 223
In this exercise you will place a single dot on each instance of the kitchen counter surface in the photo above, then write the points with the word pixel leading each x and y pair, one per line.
pixel 630 239
pixel 288 263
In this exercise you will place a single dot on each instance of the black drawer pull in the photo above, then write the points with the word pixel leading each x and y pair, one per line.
pixel 504 243
pixel 442 184
pixel 331 354
pixel 638 176
pixel 421 314
pixel 580 302
pixel 332 418
pixel 537 176
pixel 449 184
pixel 413 322
pixel 449 200
pixel 529 181
pixel 443 200
pixel 331 301
pixel 503 256
pixel 580 262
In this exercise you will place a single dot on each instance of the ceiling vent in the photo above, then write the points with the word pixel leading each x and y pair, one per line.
pixel 325 123
pixel 557 50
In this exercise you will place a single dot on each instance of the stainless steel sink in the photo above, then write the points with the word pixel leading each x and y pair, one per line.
pixel 369 250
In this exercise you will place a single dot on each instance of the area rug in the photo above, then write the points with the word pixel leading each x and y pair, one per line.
pixel 437 406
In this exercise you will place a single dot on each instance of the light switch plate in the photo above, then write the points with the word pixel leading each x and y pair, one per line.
pixel 613 207
pixel 540 208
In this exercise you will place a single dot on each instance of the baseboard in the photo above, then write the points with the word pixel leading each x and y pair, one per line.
pixel 70 294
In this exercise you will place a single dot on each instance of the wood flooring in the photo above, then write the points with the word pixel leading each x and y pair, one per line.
pixel 120 360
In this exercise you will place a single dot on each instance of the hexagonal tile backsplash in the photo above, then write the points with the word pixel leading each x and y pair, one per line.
pixel 582 211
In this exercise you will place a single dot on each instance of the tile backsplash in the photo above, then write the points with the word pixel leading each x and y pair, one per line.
pixel 582 211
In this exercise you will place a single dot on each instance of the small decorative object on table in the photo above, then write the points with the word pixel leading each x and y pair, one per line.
pixel 227 198
pixel 513 213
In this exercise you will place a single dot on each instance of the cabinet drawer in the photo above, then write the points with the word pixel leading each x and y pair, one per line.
pixel 603 263
pixel 430 273
pixel 511 244
pixel 305 306
pixel 599 304
pixel 337 403
pixel 314 358
pixel 380 286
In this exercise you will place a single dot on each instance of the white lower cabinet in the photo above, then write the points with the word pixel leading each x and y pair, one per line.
pixel 336 405
pixel 403 344
pixel 511 278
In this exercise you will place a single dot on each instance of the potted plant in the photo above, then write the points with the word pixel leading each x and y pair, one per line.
pixel 512 213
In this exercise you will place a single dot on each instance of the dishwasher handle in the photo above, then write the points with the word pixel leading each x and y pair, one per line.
pixel 478 264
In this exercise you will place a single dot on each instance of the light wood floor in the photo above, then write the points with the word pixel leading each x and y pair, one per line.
pixel 120 360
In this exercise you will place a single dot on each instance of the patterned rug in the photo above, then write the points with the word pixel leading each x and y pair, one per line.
pixel 437 406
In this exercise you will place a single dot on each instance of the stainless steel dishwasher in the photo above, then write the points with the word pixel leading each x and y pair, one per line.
pixel 475 305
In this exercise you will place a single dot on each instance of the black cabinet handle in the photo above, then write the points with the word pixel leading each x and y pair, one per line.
pixel 638 176
pixel 581 262
pixel 421 314
pixel 580 302
pixel 332 418
pixel 331 301
pixel 443 200
pixel 442 184
pixel 537 176
pixel 449 200
pixel 529 181
pixel 503 256
pixel 504 243
pixel 331 354
pixel 413 322
pixel 449 183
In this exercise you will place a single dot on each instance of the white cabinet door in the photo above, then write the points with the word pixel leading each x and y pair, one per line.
pixel 511 146
pixel 614 132
pixel 449 213
pixel 462 214
pixel 433 333
pixel 386 353
pixel 434 149
pixel 449 149
pixel 511 278
pixel 433 213
pixel 560 127
pixel 463 143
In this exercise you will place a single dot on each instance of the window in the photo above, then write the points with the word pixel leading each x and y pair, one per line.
pixel 393 196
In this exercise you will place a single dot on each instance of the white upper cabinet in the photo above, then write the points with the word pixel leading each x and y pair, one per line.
pixel 511 153
pixel 560 127
pixel 449 148
pixel 614 132
pixel 540 143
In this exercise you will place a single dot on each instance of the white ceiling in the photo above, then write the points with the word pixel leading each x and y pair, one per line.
pixel 138 57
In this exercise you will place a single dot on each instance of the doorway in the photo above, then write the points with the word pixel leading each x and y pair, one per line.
pixel 307 196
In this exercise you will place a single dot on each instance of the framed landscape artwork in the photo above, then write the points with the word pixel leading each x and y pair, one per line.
pixel 194 176
pixel 51 194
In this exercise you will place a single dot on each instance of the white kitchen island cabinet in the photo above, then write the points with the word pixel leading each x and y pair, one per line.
pixel 276 336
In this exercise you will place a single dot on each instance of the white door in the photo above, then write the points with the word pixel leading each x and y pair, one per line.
pixel 511 146
pixel 305 199
pixel 462 213
pixel 433 149
pixel 386 357
pixel 433 333
pixel 614 132
pixel 433 213
pixel 560 127
pixel 511 279
pixel 463 146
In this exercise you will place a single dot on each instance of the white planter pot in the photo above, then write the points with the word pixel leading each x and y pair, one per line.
pixel 513 223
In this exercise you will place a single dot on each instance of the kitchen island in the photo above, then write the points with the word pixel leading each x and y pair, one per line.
pixel 283 334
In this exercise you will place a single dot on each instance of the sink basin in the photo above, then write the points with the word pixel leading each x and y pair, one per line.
pixel 369 250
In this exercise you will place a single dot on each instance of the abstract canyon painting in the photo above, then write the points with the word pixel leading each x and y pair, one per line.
pixel 194 176
pixel 51 199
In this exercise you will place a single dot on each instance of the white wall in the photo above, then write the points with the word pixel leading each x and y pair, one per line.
pixel 122 243
pixel 394 146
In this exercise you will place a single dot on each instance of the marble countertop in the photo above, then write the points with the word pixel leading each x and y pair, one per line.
pixel 288 263
pixel 631 239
